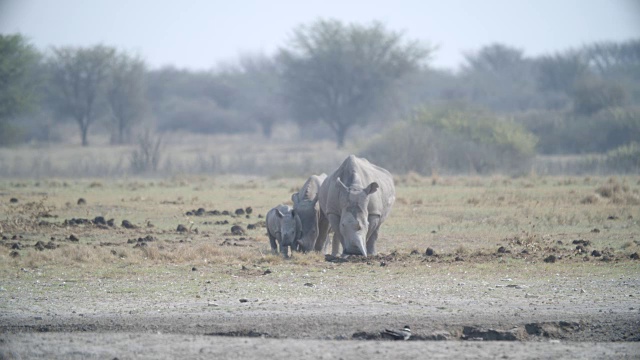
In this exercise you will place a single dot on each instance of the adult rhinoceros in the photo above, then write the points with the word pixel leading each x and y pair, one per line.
pixel 306 208
pixel 283 227
pixel 356 199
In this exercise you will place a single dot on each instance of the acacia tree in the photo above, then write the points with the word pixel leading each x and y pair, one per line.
pixel 126 95
pixel 337 73
pixel 17 82
pixel 79 78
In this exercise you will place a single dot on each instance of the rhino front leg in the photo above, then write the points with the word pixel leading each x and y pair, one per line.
pixel 323 231
pixel 372 234
pixel 334 220
pixel 274 245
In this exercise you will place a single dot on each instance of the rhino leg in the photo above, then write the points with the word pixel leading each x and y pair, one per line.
pixel 372 234
pixel 334 220
pixel 274 246
pixel 323 231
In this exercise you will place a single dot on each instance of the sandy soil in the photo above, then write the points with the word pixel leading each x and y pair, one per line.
pixel 51 318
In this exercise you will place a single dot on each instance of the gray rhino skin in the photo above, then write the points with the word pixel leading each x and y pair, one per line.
pixel 284 228
pixel 306 208
pixel 356 199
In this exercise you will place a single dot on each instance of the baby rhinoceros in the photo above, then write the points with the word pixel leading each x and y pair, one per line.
pixel 284 228
pixel 306 208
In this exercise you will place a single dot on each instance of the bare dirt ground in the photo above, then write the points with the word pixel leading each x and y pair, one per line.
pixel 208 294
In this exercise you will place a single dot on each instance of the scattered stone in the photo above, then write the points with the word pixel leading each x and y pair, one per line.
pixel 13 200
pixel 239 212
pixel 251 227
pixel 595 230
pixel 82 201
pixel 612 217
pixel 580 249
pixel 181 228
pixel 267 272
pixel 200 211
pixel 414 252
pixel 248 210
pixel 382 263
pixel 309 285
pixel 72 237
pixel 502 250
pixel 194 269
pixel 225 212
pixel 634 256
pixel 39 246
pixel 16 246
pixel 334 259
pixel 111 222
pixel 140 244
pixel 550 259
pixel 243 300
pixel 222 222
pixel 131 241
pixel 50 245
pixel 14 254
pixel 584 243
pixel 596 253
pixel 237 230
pixel 128 225
pixel 459 258
pixel 430 252
pixel 100 220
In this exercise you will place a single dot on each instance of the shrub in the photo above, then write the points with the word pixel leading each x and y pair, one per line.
pixel 454 141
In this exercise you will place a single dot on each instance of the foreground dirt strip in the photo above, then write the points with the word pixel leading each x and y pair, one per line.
pixel 171 346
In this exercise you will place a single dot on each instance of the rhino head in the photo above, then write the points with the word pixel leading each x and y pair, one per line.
pixel 354 217
pixel 307 213
pixel 289 230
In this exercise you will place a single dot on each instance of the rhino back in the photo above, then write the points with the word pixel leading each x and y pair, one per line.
pixel 311 187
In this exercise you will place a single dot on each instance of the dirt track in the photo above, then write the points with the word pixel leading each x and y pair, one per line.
pixel 563 319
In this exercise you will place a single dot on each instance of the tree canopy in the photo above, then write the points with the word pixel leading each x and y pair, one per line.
pixel 337 73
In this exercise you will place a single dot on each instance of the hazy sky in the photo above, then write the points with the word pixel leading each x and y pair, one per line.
pixel 199 34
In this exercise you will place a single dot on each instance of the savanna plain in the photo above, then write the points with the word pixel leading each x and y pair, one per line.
pixel 493 267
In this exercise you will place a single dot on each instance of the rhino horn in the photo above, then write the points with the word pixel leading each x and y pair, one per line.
pixel 279 213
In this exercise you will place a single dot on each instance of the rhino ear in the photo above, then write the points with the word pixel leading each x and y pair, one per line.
pixel 294 198
pixel 373 187
pixel 279 213
pixel 341 184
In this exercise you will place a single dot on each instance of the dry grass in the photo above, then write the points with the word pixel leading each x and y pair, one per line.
pixel 457 216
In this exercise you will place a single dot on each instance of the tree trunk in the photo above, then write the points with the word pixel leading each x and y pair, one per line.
pixel 341 134
pixel 84 129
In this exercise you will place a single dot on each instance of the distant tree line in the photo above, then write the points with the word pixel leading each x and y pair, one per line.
pixel 344 77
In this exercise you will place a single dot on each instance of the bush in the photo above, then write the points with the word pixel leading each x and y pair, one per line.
pixel 454 141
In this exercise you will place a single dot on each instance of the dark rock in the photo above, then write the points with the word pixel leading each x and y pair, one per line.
pixel 580 249
pixel 222 222
pixel 13 200
pixel 225 212
pixel 596 253
pixel 72 237
pixel 39 246
pixel 596 230
pixel 612 217
pixel 267 272
pixel 16 246
pixel 50 245
pixel 188 213
pixel 237 230
pixel 634 256
pixel 502 250
pixel 14 254
pixel 140 244
pixel 414 252
pixel 194 269
pixel 181 228
pixel 111 222
pixel 550 259
pixel 100 220
pixel 82 201
pixel 131 241
pixel 251 227
pixel 239 212
pixel 382 263
pixel 584 243
pixel 243 300
pixel 248 210
pixel 430 252
pixel 459 258
pixel 128 225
